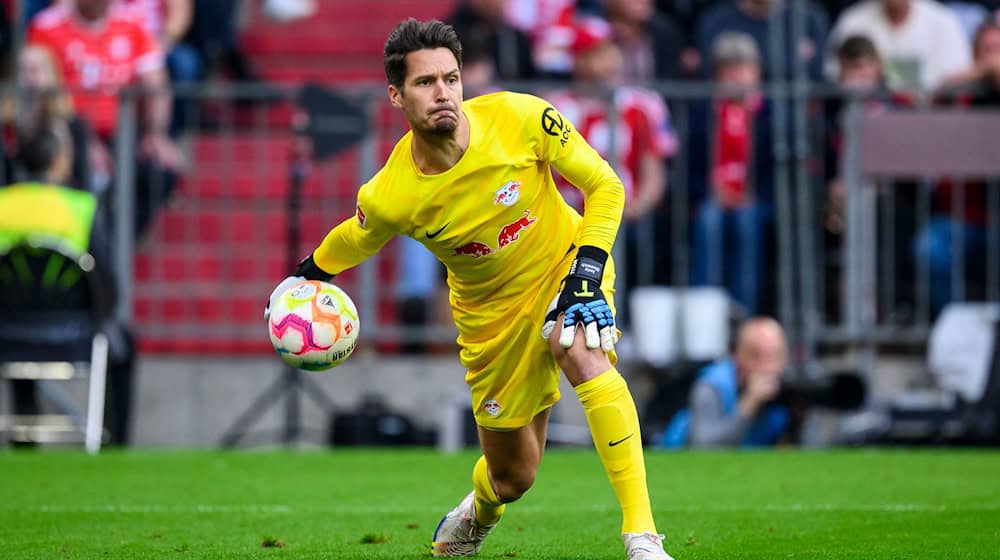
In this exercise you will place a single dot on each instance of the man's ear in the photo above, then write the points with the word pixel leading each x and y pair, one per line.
pixel 395 96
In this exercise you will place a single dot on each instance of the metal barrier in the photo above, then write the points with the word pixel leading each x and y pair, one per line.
pixel 197 280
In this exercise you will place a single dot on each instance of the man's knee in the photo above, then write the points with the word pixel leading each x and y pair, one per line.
pixel 511 484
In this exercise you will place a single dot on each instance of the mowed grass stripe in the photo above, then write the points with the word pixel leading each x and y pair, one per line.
pixel 384 504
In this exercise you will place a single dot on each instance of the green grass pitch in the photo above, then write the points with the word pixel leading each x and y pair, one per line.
pixel 880 504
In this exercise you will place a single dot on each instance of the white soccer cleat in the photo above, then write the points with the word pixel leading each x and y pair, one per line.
pixel 458 533
pixel 645 546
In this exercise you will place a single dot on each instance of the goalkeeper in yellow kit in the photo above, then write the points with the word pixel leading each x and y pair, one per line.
pixel 472 182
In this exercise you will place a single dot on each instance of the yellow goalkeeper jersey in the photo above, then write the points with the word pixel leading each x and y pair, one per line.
pixel 495 219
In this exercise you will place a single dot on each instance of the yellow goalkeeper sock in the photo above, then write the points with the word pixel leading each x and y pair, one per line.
pixel 488 506
pixel 614 425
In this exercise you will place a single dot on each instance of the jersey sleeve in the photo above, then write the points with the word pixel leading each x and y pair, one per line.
pixel 653 120
pixel 356 238
pixel 558 142
pixel 38 35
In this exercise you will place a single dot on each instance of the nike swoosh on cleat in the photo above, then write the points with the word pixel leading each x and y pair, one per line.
pixel 614 443
pixel 435 234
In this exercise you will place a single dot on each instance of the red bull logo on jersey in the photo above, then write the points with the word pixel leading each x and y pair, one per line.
pixel 512 232
pixel 492 407
pixel 508 194
pixel 474 250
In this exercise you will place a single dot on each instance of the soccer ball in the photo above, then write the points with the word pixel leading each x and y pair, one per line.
pixel 314 325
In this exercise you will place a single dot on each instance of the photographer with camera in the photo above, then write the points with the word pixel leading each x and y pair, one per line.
pixel 731 403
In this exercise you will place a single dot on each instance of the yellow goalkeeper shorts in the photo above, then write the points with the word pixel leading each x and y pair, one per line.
pixel 523 379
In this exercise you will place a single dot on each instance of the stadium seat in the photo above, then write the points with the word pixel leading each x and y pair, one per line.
pixel 54 310
pixel 670 325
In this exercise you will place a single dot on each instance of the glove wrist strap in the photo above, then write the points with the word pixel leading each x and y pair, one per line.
pixel 589 263
pixel 308 269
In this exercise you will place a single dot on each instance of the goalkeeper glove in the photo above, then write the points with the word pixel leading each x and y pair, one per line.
pixel 306 270
pixel 582 301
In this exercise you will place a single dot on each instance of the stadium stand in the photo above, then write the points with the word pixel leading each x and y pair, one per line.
pixel 201 272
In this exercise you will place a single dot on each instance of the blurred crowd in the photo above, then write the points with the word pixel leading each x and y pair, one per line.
pixel 79 54
pixel 611 53
pixel 594 58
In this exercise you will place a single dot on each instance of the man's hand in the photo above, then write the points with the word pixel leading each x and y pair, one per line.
pixel 760 388
pixel 580 301
pixel 162 150
pixel 306 270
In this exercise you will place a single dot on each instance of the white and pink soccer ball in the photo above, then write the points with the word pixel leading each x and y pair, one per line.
pixel 314 325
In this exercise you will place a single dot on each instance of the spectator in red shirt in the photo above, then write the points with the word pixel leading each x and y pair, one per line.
pixel 643 140
pixel 102 47
pixel 731 174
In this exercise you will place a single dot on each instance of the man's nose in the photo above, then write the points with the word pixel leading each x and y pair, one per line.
pixel 440 91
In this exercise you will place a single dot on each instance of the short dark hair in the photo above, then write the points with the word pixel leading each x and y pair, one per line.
pixel 37 149
pixel 412 35
pixel 857 47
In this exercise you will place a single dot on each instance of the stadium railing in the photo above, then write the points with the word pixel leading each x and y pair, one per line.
pixel 194 283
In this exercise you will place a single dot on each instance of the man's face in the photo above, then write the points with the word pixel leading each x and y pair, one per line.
pixel 988 46
pixel 602 64
pixel 761 351
pixel 896 4
pixel 36 68
pixel 863 74
pixel 431 96
pixel 739 74
pixel 764 5
pixel 92 9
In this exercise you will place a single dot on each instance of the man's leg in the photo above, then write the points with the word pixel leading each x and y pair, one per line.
pixel 508 466
pixel 614 425
pixel 502 475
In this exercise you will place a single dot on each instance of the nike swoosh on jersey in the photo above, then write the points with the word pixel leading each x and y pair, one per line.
pixel 614 443
pixel 435 234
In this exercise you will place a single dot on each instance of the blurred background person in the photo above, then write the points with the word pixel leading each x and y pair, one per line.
pixel 214 34
pixel 730 402
pixel 651 42
pixel 419 283
pixel 549 25
pixel 644 139
pixel 43 99
pixel 731 174
pixel 44 158
pixel 859 73
pixel 756 18
pixel 510 48
pixel 921 43
pixel 101 47
pixel 935 245
pixel 478 69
